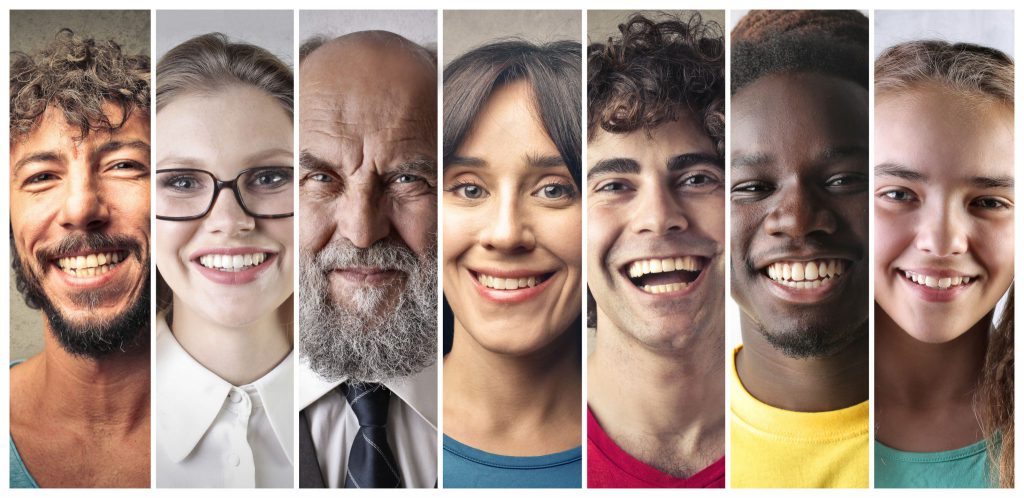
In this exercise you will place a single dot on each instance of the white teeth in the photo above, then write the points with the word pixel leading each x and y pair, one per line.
pixel 506 283
pixel 646 266
pixel 89 265
pixel 232 263
pixel 661 289
pixel 936 282
pixel 805 274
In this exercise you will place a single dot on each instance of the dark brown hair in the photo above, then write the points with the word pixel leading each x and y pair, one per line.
pixel 653 72
pixel 77 76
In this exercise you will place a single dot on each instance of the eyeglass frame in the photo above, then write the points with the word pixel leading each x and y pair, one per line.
pixel 219 185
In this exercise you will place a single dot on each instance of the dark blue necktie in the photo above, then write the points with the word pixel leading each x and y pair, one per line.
pixel 370 461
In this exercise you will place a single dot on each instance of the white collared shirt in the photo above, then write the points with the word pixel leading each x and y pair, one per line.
pixel 211 434
pixel 412 426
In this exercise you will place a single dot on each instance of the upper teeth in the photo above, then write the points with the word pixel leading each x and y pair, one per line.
pixel 659 265
pixel 232 262
pixel 506 283
pixel 89 265
pixel 936 282
pixel 797 271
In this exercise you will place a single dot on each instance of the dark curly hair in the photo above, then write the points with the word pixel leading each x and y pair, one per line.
pixel 832 42
pixel 654 71
pixel 78 76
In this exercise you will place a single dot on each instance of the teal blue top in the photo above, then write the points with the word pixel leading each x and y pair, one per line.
pixel 20 478
pixel 965 467
pixel 466 467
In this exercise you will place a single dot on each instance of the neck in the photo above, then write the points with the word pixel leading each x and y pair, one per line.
pixel 678 391
pixel 505 389
pixel 238 354
pixel 816 384
pixel 915 373
pixel 111 391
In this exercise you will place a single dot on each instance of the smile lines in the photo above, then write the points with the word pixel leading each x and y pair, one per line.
pixel 90 265
pixel 805 274
pixel 232 263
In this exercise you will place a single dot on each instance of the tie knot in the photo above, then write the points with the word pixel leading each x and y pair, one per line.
pixel 369 401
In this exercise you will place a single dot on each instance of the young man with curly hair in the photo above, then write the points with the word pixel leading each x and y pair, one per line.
pixel 79 159
pixel 656 255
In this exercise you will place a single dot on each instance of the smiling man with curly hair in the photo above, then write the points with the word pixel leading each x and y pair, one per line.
pixel 79 159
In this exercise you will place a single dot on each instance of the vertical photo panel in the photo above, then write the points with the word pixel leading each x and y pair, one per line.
pixel 225 258
pixel 80 281
pixel 368 249
pixel 944 249
pixel 512 259
pixel 656 249
pixel 798 375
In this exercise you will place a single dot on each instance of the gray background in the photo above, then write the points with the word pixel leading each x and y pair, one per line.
pixel 32 30
pixel 991 28
pixel 419 26
pixel 604 23
pixel 467 29
pixel 269 29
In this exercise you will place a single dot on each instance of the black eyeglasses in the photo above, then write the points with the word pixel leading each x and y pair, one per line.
pixel 189 194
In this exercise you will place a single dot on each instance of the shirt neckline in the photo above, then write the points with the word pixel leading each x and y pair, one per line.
pixel 884 451
pixel 512 462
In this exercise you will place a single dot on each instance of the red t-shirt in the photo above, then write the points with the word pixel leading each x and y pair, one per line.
pixel 610 467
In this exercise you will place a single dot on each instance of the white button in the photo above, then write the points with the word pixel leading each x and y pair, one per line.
pixel 233 459
pixel 235 397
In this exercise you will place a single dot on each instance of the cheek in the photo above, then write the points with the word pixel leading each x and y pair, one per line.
pixel 416 223
pixel 707 216
pixel 171 237
pixel 460 232
pixel 993 246
pixel 314 225
pixel 894 236
pixel 602 230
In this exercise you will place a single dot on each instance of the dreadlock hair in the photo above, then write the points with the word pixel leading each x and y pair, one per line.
pixel 831 42
pixel 77 76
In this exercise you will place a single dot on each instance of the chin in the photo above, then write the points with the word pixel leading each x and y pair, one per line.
pixel 512 341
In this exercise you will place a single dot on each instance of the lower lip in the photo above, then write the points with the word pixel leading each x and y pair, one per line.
pixel 690 287
pixel 89 282
pixel 367 277
pixel 805 296
pixel 235 277
pixel 510 296
pixel 935 295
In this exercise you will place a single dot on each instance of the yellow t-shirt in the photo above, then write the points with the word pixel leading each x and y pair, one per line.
pixel 775 448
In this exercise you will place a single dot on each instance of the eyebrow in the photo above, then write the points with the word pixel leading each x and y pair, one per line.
pixel 116 145
pixel 615 165
pixel 535 161
pixel 422 166
pixel 264 155
pixel 38 157
pixel 307 161
pixel 748 160
pixel 840 152
pixel 992 182
pixel 905 173
pixel 683 161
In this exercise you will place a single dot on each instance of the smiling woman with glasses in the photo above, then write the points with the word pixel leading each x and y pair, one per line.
pixel 223 246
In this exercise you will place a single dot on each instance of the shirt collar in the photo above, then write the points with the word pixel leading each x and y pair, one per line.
pixel 418 390
pixel 188 397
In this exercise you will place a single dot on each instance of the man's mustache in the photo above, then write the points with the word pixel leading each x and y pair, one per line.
pixel 385 254
pixel 87 242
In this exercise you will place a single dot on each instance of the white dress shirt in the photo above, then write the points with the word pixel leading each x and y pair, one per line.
pixel 412 426
pixel 211 434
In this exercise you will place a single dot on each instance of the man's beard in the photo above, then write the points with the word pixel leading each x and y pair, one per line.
pixel 812 341
pixel 363 343
pixel 97 337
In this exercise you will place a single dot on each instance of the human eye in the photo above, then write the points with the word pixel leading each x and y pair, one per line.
pixel 270 178
pixel 847 182
pixel 40 178
pixel 751 190
pixel 467 190
pixel 700 181
pixel 180 183
pixel 992 203
pixel 556 191
pixel 900 195
pixel 406 178
pixel 612 186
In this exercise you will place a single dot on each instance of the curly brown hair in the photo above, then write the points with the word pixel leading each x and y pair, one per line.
pixel 78 76
pixel 656 70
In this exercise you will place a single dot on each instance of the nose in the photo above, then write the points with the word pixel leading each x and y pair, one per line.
pixel 226 215
pixel 800 213
pixel 659 212
pixel 85 207
pixel 942 232
pixel 510 229
pixel 362 217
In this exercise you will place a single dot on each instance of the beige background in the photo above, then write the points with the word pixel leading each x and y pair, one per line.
pixel 31 31
pixel 465 30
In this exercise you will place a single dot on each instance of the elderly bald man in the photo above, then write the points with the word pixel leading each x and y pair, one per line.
pixel 368 231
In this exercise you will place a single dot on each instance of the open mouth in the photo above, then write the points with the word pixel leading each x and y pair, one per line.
pixel 936 283
pixel 806 274
pixel 506 283
pixel 661 275
pixel 233 262
pixel 91 264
